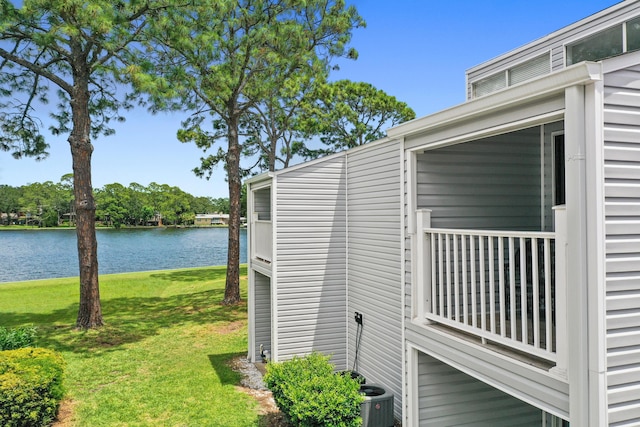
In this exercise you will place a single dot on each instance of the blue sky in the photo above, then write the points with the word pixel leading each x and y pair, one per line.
pixel 415 50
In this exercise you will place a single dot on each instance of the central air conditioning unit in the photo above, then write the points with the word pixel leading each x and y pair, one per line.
pixel 377 408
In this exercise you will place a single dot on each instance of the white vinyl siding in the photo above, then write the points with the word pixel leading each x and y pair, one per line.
pixel 374 268
pixel 557 58
pixel 262 285
pixel 488 184
pixel 622 215
pixel 311 260
pixel 527 383
pixel 448 397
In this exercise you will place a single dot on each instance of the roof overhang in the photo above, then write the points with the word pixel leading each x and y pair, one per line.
pixel 265 176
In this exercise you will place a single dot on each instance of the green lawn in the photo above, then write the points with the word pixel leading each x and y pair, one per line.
pixel 161 359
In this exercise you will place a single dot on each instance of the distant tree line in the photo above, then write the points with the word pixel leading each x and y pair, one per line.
pixel 50 204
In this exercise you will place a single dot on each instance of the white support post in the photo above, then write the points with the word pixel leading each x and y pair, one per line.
pixel 562 338
pixel 575 125
pixel 423 299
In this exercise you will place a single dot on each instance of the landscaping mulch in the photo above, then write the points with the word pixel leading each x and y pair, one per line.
pixel 251 384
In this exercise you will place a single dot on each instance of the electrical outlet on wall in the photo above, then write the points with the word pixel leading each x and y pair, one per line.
pixel 358 318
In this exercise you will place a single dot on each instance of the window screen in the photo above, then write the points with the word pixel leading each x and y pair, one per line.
pixel 596 47
pixel 490 84
pixel 532 68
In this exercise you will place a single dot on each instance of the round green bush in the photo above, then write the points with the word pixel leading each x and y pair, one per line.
pixel 30 386
pixel 310 394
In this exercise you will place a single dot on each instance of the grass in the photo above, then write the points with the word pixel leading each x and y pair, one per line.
pixel 161 359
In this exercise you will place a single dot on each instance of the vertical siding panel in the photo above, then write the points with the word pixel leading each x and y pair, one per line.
pixel 557 58
pixel 374 268
pixel 311 260
pixel 487 184
pixel 448 397
pixel 622 219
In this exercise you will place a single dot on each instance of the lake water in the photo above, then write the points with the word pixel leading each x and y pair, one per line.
pixel 44 254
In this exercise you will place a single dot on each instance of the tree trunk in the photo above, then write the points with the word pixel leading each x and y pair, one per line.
pixel 232 285
pixel 89 312
pixel 273 144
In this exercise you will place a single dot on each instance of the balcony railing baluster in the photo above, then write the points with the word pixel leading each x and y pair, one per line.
pixel 498 285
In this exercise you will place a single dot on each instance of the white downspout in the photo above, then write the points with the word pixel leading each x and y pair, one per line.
pixel 349 313
pixel 274 269
pixel 582 370
pixel 251 294
pixel 596 253
pixel 577 320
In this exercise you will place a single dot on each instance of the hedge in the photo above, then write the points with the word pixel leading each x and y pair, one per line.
pixel 30 386
pixel 310 394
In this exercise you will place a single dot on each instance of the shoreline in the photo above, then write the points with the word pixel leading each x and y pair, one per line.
pixel 129 227
pixel 101 275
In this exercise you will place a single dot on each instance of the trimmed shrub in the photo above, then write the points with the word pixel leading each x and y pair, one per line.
pixel 310 394
pixel 30 386
pixel 11 339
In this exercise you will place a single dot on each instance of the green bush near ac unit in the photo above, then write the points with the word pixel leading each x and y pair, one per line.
pixel 310 394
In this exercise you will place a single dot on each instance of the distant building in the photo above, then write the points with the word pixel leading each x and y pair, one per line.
pixel 8 219
pixel 212 219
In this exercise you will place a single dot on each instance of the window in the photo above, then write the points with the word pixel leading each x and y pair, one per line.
pixel 514 75
pixel 596 47
pixel 490 84
pixel 633 35
pixel 527 70
pixel 559 192
pixel 610 42
pixel 553 421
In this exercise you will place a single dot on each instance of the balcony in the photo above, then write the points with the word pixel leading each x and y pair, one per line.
pixel 262 240
pixel 506 288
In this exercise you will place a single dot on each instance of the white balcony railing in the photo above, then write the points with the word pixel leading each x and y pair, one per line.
pixel 501 286
pixel 262 240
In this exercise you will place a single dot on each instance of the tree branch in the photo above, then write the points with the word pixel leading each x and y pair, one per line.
pixel 37 69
